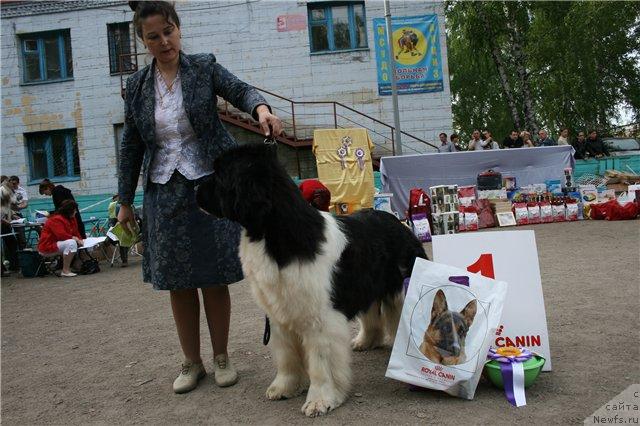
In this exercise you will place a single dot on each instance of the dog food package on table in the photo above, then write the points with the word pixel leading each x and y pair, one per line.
pixel 448 321
pixel 466 195
pixel 446 223
pixel 521 212
pixel 546 212
pixel 572 211
pixel 420 227
pixel 559 212
pixel 534 212
pixel 470 220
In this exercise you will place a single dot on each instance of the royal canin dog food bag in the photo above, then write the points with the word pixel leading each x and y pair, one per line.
pixel 448 320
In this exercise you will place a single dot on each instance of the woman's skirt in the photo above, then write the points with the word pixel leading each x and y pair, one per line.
pixel 184 247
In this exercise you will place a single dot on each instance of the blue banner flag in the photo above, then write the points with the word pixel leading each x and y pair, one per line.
pixel 416 45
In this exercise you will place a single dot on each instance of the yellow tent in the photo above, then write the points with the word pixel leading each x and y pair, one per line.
pixel 343 157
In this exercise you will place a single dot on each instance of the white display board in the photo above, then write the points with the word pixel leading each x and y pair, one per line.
pixel 509 256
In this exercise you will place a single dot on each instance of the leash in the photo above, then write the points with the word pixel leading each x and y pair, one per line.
pixel 267 331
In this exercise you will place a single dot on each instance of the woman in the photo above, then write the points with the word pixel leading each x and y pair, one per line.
pixel 526 139
pixel 60 234
pixel 60 194
pixel 173 132
pixel 563 139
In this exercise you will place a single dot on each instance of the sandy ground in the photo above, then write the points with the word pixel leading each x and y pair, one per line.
pixel 103 349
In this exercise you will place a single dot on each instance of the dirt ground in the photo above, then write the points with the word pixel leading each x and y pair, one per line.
pixel 103 349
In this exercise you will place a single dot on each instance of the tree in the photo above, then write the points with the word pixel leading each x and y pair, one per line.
pixel 554 64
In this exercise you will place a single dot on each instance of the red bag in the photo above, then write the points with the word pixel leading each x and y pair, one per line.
pixel 613 210
pixel 486 219
pixel 420 203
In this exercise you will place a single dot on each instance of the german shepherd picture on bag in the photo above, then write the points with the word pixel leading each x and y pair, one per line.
pixel 444 339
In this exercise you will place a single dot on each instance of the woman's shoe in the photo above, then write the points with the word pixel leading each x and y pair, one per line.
pixel 223 372
pixel 68 274
pixel 189 376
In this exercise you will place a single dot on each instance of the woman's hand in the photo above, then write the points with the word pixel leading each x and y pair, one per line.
pixel 79 241
pixel 126 217
pixel 268 121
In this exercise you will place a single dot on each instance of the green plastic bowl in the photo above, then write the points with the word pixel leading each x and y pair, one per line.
pixel 532 369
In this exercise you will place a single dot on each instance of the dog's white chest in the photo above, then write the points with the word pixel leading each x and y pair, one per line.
pixel 298 294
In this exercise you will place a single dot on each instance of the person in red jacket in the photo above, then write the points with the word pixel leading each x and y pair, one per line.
pixel 61 235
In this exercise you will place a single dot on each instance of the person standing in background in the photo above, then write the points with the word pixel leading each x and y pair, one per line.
pixel 563 139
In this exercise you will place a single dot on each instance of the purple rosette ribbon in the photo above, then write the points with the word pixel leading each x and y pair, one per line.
pixel 511 362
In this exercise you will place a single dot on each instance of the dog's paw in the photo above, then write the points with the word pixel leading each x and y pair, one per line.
pixel 283 389
pixel 359 344
pixel 318 407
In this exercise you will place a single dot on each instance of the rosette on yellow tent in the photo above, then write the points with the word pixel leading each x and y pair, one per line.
pixel 343 157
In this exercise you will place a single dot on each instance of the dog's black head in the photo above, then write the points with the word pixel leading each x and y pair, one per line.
pixel 241 186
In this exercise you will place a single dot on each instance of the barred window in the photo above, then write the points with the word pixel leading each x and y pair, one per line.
pixel 121 46
pixel 46 56
pixel 53 155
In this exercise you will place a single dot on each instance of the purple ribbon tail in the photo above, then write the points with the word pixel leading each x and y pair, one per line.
pixel 507 380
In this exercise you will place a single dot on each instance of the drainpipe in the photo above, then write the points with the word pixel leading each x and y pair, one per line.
pixel 394 86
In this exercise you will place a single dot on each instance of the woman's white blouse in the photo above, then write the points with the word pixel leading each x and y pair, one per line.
pixel 178 147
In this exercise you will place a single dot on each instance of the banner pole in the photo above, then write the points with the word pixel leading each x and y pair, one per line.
pixel 394 86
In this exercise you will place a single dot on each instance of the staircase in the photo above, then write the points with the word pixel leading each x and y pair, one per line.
pixel 301 118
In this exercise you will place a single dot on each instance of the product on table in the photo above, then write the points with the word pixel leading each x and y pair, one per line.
pixel 489 180
pixel 559 214
pixel 546 212
pixel 486 219
pixel 554 186
pixel 568 178
pixel 521 213
pixel 444 198
pixel 466 195
pixel 506 218
pixel 572 211
pixel 509 183
pixel 446 223
pixel 420 226
pixel 419 202
pixel 534 212
pixel 470 219
pixel 493 194
pixel 605 195
pixel 430 350
pixel 382 202
pixel 588 194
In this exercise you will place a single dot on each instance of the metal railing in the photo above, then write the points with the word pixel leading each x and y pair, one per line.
pixel 301 118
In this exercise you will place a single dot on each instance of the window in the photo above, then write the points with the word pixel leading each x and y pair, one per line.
pixel 121 47
pixel 46 56
pixel 53 155
pixel 337 26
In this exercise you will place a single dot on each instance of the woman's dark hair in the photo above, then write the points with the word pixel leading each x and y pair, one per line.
pixel 144 9
pixel 67 208
pixel 44 185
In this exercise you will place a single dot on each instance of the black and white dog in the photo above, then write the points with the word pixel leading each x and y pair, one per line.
pixel 311 272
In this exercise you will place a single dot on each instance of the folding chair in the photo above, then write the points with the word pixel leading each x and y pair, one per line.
pixel 50 262
pixel 116 251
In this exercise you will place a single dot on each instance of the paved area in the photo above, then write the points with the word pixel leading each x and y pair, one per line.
pixel 102 349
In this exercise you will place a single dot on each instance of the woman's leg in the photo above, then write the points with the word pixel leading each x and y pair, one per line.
pixel 186 313
pixel 68 249
pixel 217 307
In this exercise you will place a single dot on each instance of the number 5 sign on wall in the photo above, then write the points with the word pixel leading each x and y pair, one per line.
pixel 509 256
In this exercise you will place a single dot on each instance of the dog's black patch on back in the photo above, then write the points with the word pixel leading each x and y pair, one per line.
pixel 380 254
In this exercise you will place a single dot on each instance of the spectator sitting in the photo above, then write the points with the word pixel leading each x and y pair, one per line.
pixel 60 194
pixel 513 140
pixel 526 139
pixel 316 194
pixel 563 139
pixel 22 198
pixel 455 140
pixel 544 139
pixel 60 234
pixel 580 146
pixel 474 143
pixel 445 146
pixel 488 142
pixel 595 146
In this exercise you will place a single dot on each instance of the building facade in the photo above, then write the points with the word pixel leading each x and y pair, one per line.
pixel 63 64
